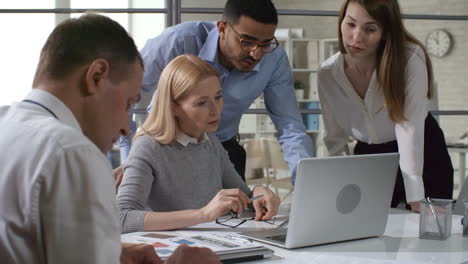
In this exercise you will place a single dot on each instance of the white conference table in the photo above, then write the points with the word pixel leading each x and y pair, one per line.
pixel 399 244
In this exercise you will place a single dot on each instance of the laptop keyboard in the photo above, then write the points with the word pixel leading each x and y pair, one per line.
pixel 280 238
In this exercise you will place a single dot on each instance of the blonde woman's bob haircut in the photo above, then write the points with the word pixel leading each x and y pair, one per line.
pixel 176 81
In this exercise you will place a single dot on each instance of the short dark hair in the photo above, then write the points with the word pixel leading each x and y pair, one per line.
pixel 78 41
pixel 262 11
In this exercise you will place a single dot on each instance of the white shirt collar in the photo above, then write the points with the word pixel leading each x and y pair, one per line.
pixel 185 139
pixel 55 105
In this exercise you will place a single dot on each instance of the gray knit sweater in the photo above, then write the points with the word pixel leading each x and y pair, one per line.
pixel 172 177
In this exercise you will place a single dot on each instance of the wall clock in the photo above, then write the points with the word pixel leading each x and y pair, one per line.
pixel 439 42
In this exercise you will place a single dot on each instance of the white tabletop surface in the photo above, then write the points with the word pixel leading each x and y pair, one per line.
pixel 399 244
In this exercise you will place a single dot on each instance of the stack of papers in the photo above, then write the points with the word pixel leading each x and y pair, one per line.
pixel 227 245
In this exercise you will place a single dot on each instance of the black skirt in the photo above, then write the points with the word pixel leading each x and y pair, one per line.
pixel 437 170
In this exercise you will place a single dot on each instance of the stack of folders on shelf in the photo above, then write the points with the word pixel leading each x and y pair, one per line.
pixel 227 245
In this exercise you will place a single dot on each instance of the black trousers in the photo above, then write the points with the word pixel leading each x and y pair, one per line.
pixel 237 155
pixel 437 170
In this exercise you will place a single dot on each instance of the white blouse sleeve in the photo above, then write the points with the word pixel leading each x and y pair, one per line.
pixel 335 137
pixel 410 133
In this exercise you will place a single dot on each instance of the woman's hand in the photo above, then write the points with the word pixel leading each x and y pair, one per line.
pixel 267 206
pixel 224 201
pixel 118 175
pixel 414 206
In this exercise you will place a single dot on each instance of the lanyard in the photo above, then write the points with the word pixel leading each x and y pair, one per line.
pixel 41 105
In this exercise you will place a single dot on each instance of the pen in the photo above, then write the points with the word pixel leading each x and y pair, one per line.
pixel 256 197
pixel 251 200
pixel 429 201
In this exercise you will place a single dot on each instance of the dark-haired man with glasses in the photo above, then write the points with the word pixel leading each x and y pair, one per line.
pixel 252 49
pixel 243 49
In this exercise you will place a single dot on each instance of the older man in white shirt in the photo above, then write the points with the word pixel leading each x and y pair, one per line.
pixel 57 197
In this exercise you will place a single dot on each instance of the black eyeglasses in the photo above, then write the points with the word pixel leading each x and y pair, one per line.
pixel 233 220
pixel 251 45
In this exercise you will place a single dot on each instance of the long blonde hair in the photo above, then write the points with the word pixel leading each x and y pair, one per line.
pixel 391 54
pixel 176 81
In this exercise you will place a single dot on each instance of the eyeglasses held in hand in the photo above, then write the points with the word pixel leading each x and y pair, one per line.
pixel 251 45
pixel 233 220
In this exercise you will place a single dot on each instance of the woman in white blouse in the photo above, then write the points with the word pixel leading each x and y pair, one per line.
pixel 376 90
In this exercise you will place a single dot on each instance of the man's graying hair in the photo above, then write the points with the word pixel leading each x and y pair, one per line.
pixel 78 41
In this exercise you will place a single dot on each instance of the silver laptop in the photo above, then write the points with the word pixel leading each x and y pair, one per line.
pixel 337 199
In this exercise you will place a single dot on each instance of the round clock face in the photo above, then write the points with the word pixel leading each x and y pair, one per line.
pixel 439 42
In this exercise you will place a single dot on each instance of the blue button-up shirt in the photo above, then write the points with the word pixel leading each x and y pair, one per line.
pixel 272 76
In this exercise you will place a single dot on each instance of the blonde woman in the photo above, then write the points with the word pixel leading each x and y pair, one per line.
pixel 376 90
pixel 177 173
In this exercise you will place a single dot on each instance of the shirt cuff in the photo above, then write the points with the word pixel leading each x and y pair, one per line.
pixel 414 188
pixel 133 221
